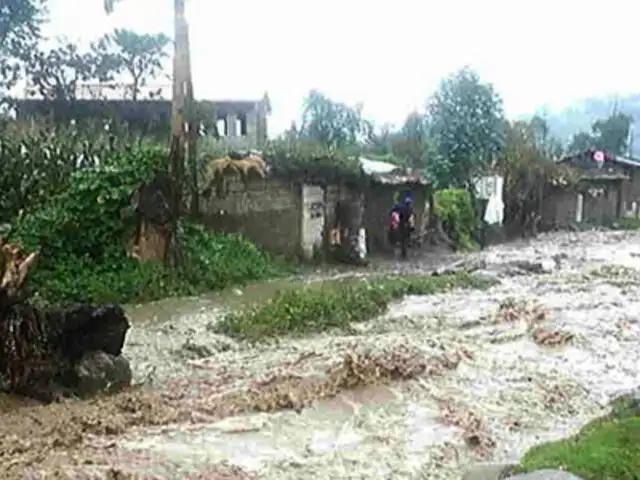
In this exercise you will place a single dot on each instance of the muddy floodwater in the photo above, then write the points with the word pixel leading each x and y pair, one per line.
pixel 536 357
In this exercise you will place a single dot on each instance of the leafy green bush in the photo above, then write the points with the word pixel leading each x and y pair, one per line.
pixel 325 306
pixel 454 207
pixel 214 262
pixel 82 231
pixel 90 214
pixel 211 262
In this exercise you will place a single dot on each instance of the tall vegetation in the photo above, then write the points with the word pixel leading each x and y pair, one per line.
pixel 528 168
pixel 75 206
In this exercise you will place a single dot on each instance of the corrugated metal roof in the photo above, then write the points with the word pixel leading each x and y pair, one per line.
pixel 372 167
pixel 391 174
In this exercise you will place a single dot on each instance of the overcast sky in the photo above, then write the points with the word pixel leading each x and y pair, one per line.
pixel 390 55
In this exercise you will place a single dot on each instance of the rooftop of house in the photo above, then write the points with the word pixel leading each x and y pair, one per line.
pixel 587 159
pixel 391 174
pixel 221 107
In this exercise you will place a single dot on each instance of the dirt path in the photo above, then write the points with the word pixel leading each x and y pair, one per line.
pixel 530 360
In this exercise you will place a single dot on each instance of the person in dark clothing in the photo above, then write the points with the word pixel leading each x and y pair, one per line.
pixel 401 225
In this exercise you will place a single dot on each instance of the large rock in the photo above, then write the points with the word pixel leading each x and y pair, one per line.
pixel 86 328
pixel 99 372
pixel 546 475
pixel 488 471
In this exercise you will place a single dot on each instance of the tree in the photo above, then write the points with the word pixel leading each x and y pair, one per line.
pixel 610 134
pixel 55 73
pixel 466 121
pixel 580 142
pixel 527 169
pixel 20 22
pixel 292 133
pixel 139 55
pixel 332 123
pixel 541 135
pixel 379 140
pixel 540 130
pixel 411 142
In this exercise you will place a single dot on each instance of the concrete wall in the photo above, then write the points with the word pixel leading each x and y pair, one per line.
pixel 294 219
pixel 313 221
pixel 560 206
pixel 602 207
pixel 283 217
pixel 268 212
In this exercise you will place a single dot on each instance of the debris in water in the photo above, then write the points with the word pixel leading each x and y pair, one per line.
pixel 552 338
pixel 279 391
pixel 474 430
pixel 512 310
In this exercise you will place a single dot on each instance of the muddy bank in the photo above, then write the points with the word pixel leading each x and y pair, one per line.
pixel 528 361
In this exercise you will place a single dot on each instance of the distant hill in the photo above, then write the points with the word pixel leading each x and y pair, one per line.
pixel 579 115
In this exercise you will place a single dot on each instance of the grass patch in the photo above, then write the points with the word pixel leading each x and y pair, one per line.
pixel 606 449
pixel 616 275
pixel 622 223
pixel 327 306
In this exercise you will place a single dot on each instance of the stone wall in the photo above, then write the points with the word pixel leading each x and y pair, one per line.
pixel 266 211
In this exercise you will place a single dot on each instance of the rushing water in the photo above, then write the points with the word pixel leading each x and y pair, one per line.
pixel 523 393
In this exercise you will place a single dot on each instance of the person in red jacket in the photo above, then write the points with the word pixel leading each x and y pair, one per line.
pixel 401 225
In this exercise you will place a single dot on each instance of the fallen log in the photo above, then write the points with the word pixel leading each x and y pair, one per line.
pixel 41 350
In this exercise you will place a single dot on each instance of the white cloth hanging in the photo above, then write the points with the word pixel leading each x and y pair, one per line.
pixel 494 212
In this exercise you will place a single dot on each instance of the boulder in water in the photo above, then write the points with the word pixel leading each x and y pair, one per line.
pixel 42 350
pixel 100 372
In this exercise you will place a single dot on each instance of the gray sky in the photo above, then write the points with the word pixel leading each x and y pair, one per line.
pixel 390 55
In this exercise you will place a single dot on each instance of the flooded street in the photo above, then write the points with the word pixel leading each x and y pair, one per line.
pixel 530 360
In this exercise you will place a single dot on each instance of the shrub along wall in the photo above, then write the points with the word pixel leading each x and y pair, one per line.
pixel 454 207
pixel 81 222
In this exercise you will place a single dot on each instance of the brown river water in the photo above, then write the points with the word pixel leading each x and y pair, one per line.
pixel 530 360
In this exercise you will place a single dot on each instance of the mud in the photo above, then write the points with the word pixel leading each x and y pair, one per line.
pixel 436 384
